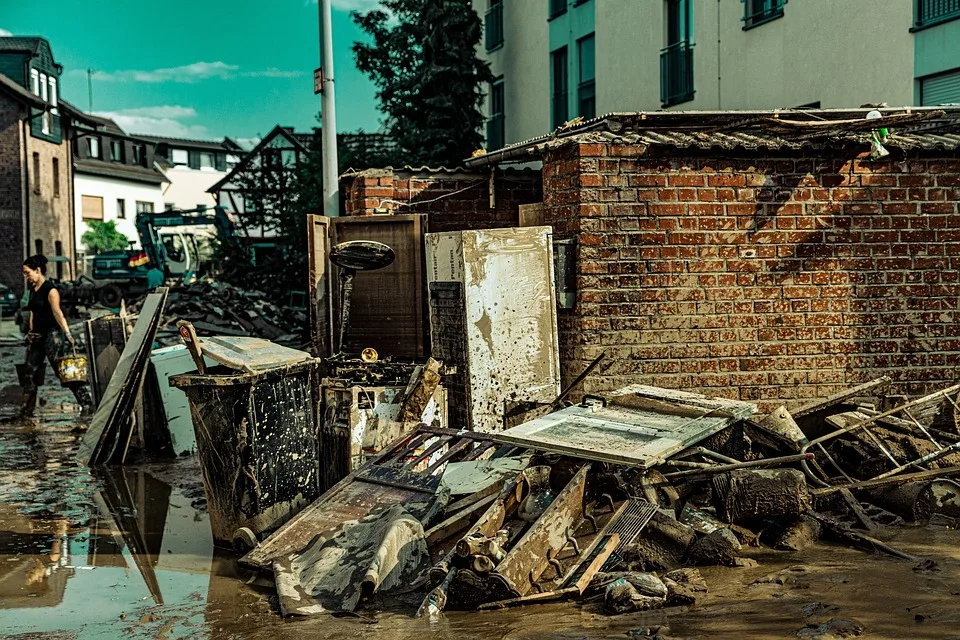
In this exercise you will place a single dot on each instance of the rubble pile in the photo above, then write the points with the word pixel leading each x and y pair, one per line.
pixel 618 500
pixel 218 308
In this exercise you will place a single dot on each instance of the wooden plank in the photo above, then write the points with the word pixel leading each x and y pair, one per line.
pixel 399 478
pixel 319 285
pixel 530 215
pixel 105 435
pixel 456 522
pixel 608 544
pixel 454 450
pixel 860 390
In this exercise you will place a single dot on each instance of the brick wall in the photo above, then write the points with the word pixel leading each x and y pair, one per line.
pixel 11 206
pixel 764 279
pixel 453 200
pixel 51 210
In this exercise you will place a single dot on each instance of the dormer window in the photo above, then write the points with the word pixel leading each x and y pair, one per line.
pixel 43 87
pixel 35 82
pixel 179 157
pixel 53 94
pixel 94 147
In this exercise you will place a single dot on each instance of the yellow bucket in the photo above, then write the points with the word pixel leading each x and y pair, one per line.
pixel 72 369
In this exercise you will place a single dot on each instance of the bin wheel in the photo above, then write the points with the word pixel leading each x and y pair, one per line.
pixel 110 296
pixel 244 540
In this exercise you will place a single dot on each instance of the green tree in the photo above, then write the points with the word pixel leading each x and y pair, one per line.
pixel 423 61
pixel 103 236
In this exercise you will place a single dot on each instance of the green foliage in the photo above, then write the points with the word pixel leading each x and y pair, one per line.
pixel 429 79
pixel 102 237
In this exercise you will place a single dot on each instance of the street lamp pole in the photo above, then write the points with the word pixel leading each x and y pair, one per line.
pixel 331 183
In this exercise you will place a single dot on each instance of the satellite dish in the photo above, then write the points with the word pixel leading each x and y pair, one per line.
pixel 362 255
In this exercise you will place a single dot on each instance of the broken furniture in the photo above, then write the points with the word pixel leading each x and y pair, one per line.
pixel 256 437
pixel 493 317
pixel 352 257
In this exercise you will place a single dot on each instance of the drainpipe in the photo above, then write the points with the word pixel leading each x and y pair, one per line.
pixel 25 135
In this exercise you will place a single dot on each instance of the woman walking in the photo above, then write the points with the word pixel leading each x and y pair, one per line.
pixel 48 332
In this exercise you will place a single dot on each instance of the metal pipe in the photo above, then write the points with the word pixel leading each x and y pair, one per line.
pixel 930 457
pixel 716 456
pixel 328 131
pixel 797 457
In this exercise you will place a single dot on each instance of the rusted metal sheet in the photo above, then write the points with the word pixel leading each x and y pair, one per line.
pixel 250 354
pixel 640 426
pixel 493 308
pixel 386 305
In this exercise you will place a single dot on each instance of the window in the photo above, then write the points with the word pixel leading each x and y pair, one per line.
pixel 930 12
pixel 46 121
pixel 206 160
pixel 53 94
pixel 56 177
pixel 38 243
pixel 36 173
pixel 139 154
pixel 757 12
pixel 557 8
pixel 116 150
pixel 558 86
pixel 35 82
pixel 943 88
pixel 144 207
pixel 121 209
pixel 586 89
pixel 58 251
pixel 179 157
pixel 495 132
pixel 493 25
pixel 271 158
pixel 43 87
pixel 94 147
pixel 91 207
pixel 676 59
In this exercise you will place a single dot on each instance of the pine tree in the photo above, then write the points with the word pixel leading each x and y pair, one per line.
pixel 429 79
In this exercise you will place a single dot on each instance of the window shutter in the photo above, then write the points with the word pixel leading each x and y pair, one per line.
pixel 194 159
pixel 92 207
pixel 220 161
pixel 941 89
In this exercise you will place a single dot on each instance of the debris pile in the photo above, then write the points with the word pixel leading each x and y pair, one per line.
pixel 614 501
pixel 218 308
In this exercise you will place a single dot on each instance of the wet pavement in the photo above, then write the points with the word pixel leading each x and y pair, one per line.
pixel 127 553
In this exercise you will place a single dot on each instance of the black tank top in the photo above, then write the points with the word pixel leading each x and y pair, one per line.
pixel 39 305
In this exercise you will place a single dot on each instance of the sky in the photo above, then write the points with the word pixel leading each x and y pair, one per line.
pixel 200 68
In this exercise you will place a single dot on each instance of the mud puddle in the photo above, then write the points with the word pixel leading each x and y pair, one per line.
pixel 127 553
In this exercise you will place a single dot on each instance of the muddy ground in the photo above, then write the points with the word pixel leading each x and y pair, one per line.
pixel 127 553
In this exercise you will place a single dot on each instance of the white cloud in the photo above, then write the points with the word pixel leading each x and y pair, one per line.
pixel 188 73
pixel 247 143
pixel 163 120
pixel 4 33
pixel 272 72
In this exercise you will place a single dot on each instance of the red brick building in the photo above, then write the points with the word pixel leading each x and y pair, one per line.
pixel 759 256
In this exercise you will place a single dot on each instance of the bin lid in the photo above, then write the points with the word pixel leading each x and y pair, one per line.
pixel 250 354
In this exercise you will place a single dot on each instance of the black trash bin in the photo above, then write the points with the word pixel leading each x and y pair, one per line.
pixel 258 446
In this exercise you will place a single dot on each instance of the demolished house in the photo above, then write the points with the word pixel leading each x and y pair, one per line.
pixel 706 333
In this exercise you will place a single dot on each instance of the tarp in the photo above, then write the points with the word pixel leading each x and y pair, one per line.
pixel 381 552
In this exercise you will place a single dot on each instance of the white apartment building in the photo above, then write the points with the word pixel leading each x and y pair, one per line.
pixel 114 179
pixel 556 60
pixel 192 167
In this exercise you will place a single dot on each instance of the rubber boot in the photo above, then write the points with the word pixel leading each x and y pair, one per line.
pixel 28 405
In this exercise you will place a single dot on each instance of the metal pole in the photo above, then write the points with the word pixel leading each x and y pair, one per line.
pixel 331 182
pixel 90 89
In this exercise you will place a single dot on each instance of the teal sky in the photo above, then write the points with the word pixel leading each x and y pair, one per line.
pixel 200 68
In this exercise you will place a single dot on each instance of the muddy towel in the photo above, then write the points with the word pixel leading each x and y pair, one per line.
pixel 385 550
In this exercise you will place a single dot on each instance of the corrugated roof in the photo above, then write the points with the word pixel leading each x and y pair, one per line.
pixel 910 129
pixel 121 171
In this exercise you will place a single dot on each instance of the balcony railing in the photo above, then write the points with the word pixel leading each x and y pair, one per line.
pixel 493 27
pixel 676 73
pixel 931 12
pixel 757 12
